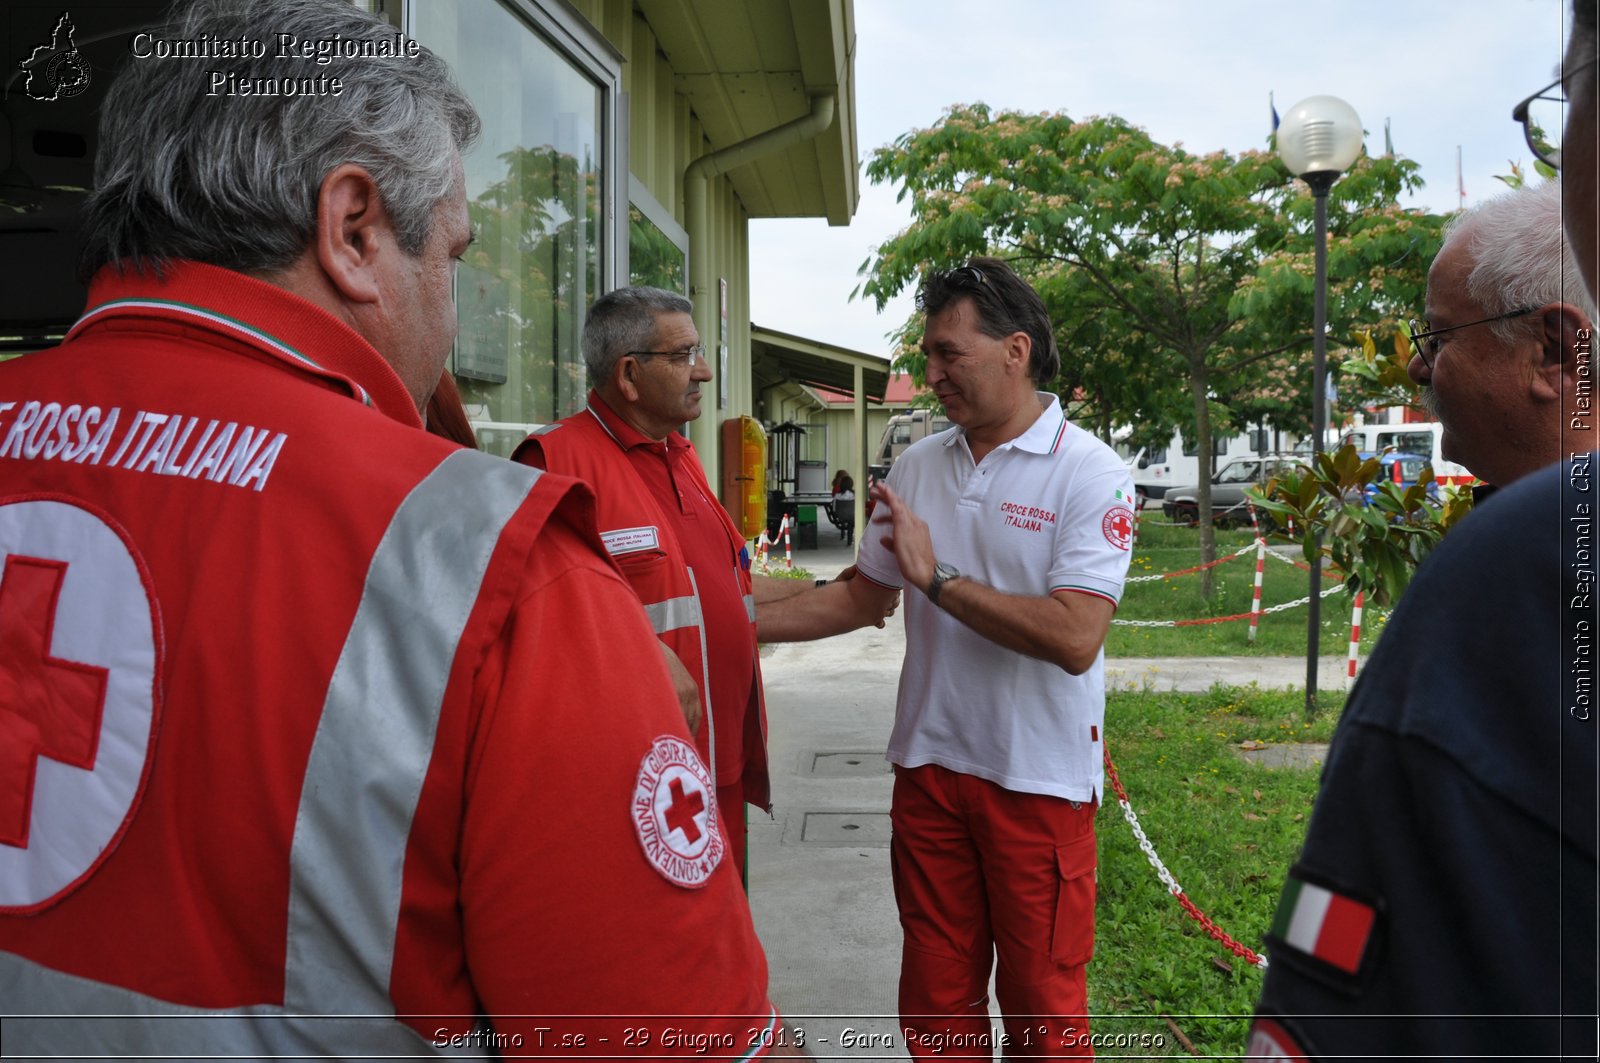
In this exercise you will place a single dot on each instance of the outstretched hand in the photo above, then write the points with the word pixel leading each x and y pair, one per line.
pixel 908 536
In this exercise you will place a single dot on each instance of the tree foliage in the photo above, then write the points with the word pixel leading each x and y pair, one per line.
pixel 1375 531
pixel 1179 283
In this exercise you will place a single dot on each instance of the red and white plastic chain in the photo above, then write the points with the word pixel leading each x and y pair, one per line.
pixel 1280 607
pixel 1198 568
pixel 1166 876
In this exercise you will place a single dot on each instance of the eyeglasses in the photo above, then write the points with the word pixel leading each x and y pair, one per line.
pixel 1544 114
pixel 1428 350
pixel 965 276
pixel 695 355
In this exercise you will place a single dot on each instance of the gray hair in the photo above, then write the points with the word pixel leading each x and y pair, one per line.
pixel 623 321
pixel 1520 256
pixel 233 180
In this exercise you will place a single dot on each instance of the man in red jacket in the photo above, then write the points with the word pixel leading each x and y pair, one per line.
pixel 685 558
pixel 298 704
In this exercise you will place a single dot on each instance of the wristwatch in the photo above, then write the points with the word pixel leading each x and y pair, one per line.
pixel 942 574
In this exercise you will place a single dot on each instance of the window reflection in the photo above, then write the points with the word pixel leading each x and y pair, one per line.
pixel 534 194
pixel 653 258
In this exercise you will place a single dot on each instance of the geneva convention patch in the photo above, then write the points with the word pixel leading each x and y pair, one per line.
pixel 675 813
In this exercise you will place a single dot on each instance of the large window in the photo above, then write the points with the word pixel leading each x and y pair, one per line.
pixel 658 247
pixel 537 193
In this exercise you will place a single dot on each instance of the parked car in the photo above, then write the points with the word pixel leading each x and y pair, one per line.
pixel 1401 468
pixel 1228 487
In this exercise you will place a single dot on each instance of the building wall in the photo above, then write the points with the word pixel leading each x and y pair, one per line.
pixel 835 443
pixel 662 138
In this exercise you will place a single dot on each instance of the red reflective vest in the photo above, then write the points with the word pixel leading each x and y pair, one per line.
pixel 643 540
pixel 302 749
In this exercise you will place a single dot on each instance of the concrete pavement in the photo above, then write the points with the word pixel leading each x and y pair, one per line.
pixel 819 869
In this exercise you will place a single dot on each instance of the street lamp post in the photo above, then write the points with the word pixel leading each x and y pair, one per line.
pixel 1318 139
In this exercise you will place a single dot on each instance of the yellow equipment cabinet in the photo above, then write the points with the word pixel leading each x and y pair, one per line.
pixel 744 474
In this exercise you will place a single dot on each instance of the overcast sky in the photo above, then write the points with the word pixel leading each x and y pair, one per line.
pixel 1444 72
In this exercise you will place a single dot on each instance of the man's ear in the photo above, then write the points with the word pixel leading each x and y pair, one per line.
pixel 353 228
pixel 625 378
pixel 1566 347
pixel 1019 352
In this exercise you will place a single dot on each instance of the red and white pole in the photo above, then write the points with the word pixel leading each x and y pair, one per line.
pixel 1255 602
pixel 788 553
pixel 1355 634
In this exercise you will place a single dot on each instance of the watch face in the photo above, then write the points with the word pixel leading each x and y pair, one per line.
pixel 944 571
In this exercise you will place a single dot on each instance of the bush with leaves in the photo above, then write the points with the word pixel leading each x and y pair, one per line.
pixel 1374 530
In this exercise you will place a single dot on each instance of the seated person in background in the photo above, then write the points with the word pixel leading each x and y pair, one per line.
pixel 844 505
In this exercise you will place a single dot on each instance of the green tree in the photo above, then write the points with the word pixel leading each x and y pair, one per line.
pixel 1174 279
pixel 1374 531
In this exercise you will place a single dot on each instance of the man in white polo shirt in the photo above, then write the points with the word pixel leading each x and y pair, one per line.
pixel 1017 527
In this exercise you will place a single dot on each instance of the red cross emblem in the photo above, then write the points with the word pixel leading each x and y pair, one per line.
pixel 80 653
pixel 683 810
pixel 671 795
pixel 49 707
pixel 1117 527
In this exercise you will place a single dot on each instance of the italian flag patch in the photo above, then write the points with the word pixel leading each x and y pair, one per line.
pixel 1332 927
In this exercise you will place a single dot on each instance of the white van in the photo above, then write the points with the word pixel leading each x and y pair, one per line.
pixel 903 430
pixel 1158 469
pixel 1420 437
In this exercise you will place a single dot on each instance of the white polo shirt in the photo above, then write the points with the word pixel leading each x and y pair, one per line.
pixel 1049 510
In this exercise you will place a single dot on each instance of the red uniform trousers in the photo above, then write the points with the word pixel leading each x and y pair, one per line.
pixel 981 870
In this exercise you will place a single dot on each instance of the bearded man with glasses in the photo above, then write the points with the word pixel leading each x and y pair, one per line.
pixel 1444 905
pixel 1501 356
pixel 677 546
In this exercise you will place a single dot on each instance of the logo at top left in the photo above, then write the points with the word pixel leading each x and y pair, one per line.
pixel 57 70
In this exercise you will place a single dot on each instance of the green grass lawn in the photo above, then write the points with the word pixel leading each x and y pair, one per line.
pixel 1227 830
pixel 1171 549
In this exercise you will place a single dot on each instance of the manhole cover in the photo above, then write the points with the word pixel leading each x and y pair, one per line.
pixel 870 829
pixel 847 764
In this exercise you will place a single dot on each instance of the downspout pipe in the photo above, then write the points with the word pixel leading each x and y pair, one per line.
pixel 696 209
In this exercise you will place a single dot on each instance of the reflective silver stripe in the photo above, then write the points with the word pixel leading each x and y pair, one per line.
pixel 750 606
pixel 705 682
pixel 375 739
pixel 674 613
pixel 74 1017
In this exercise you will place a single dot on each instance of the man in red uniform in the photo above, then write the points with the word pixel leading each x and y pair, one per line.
pixel 298 704
pixel 683 555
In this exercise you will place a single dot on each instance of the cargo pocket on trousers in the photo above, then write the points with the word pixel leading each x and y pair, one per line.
pixel 1072 943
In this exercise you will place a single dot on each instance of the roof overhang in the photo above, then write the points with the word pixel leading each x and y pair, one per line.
pixel 779 358
pixel 749 67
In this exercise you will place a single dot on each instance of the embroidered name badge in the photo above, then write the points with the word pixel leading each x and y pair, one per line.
pixel 675 814
pixel 631 540
pixel 1329 926
pixel 1117 527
